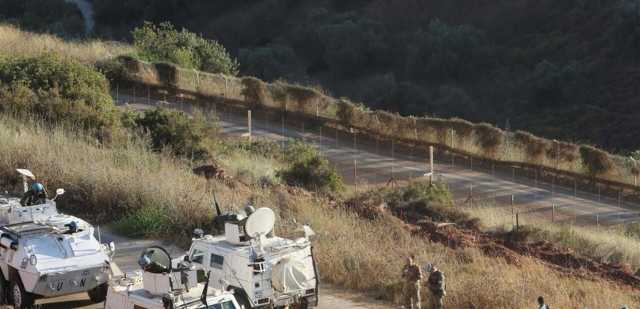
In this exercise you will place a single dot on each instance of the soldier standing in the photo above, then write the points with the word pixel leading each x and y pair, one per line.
pixel 412 275
pixel 436 286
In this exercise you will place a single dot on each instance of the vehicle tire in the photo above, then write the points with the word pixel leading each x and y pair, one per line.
pixel 21 298
pixel 4 291
pixel 99 293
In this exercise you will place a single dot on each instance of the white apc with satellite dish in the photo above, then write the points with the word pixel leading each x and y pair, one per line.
pixel 165 285
pixel 263 270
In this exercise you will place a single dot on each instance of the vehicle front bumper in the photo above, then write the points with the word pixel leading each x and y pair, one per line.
pixel 70 282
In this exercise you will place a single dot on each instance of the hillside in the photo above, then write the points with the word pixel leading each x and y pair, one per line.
pixel 565 69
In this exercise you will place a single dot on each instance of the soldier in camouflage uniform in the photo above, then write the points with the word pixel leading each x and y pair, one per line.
pixel 412 274
pixel 436 286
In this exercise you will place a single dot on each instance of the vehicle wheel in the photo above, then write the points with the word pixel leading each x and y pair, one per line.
pixel 99 293
pixel 21 298
pixel 4 291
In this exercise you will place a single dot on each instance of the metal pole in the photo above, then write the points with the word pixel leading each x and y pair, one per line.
pixel 513 202
pixel 431 165
pixel 619 198
pixel 249 123
pixel 393 158
pixel 355 174
pixel 452 147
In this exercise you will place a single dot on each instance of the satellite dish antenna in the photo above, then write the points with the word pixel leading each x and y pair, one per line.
pixel 26 173
pixel 260 223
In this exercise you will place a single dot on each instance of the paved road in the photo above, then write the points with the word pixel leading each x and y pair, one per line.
pixel 376 162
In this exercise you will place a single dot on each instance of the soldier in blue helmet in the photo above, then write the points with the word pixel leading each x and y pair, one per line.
pixel 35 196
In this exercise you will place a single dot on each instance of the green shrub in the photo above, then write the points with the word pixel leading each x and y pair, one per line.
pixel 310 170
pixel 596 161
pixel 184 135
pixel 489 137
pixel 534 146
pixel 255 91
pixel 164 43
pixel 58 90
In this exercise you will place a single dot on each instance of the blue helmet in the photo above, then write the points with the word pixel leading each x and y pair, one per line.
pixel 37 187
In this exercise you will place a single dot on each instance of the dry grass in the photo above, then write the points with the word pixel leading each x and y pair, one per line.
pixel 352 252
pixel 606 244
pixel 14 41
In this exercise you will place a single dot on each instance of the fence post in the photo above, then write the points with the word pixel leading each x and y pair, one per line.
pixel 431 165
pixel 513 199
pixel 517 222
pixel 451 152
pixel 249 124
pixel 620 198
pixel 355 174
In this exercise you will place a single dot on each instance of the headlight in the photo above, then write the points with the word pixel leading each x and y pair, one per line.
pixel 33 260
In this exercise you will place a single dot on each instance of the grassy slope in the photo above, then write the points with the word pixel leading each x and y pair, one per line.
pixel 14 41
pixel 359 254
pixel 607 244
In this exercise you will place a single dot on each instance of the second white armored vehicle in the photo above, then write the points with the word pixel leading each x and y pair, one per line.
pixel 264 271
pixel 163 286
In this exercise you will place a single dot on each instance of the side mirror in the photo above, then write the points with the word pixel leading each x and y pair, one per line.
pixel 112 246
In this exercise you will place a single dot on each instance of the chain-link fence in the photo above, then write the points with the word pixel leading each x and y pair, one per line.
pixel 367 161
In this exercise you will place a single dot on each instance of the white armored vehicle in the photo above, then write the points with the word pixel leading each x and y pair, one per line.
pixel 165 286
pixel 39 260
pixel 263 270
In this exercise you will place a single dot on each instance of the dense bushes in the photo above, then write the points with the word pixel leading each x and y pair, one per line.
pixel 184 135
pixel 310 170
pixel 59 90
pixel 187 49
